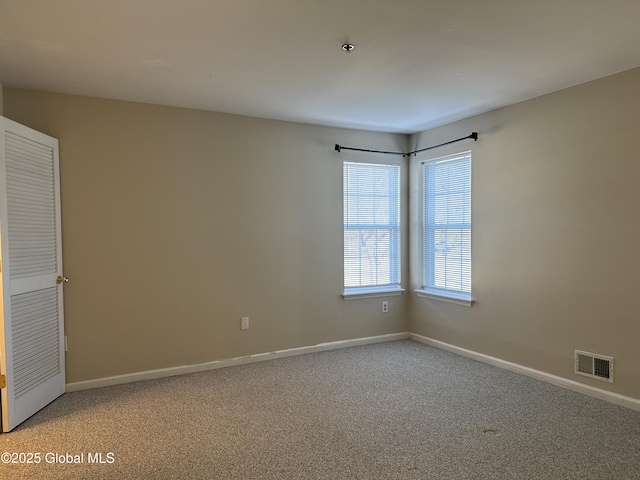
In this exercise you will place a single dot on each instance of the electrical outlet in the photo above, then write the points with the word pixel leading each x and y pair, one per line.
pixel 244 325
pixel 385 307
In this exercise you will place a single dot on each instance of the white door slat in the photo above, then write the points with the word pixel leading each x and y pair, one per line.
pixel 26 142
pixel 32 202
pixel 27 316
pixel 29 262
pixel 32 382
pixel 31 347
pixel 26 156
pixel 29 185
pixel 27 256
pixel 24 194
pixel 41 174
pixel 27 174
pixel 32 212
pixel 23 180
pixel 41 371
pixel 33 330
pixel 30 162
pixel 23 144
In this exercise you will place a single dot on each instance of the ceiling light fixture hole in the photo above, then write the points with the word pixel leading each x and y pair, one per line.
pixel 347 47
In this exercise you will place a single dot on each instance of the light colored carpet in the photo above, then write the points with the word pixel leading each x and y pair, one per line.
pixel 398 410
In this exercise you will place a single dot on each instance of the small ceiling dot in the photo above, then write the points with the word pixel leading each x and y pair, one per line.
pixel 347 47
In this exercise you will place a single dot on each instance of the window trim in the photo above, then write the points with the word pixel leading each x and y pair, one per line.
pixel 445 296
pixel 424 291
pixel 352 293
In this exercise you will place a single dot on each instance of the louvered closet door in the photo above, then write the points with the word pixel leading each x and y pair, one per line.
pixel 32 328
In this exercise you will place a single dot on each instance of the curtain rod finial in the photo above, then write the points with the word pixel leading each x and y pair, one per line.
pixel 474 135
pixel 338 147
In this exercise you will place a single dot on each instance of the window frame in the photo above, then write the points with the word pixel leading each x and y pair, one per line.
pixel 394 288
pixel 432 292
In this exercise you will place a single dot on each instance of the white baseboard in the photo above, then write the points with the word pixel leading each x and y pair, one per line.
pixel 229 362
pixel 615 398
pixel 628 402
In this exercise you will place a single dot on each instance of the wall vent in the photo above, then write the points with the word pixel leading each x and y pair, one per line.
pixel 594 366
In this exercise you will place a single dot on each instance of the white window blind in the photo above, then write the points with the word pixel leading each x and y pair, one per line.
pixel 371 226
pixel 447 226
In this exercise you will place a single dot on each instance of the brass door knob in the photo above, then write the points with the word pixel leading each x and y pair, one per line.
pixel 60 280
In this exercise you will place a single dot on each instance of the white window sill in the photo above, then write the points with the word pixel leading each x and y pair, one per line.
pixel 451 297
pixel 357 293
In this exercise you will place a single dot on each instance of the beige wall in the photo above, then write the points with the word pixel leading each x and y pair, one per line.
pixel 176 223
pixel 556 229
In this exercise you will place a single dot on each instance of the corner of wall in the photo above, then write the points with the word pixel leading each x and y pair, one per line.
pixel 1 111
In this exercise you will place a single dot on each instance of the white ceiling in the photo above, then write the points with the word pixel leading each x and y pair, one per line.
pixel 417 63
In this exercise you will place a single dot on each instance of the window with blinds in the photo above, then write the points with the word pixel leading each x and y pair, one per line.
pixel 447 226
pixel 371 227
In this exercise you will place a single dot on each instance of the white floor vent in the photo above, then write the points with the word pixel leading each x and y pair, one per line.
pixel 594 366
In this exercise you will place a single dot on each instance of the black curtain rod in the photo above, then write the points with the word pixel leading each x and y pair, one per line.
pixel 473 135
